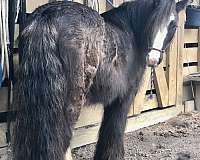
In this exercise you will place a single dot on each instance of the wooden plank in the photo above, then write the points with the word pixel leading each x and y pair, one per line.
pixel 198 55
pixel 93 114
pixel 3 99
pixel 189 106
pixel 79 1
pixel 161 86
pixel 139 98
pixel 89 116
pixel 116 3
pixel 164 61
pixel 102 6
pixel 188 93
pixel 150 103
pixel 197 97
pixel 179 92
pixel 33 4
pixel 190 55
pixel 189 70
pixel 191 36
pixel 153 117
pixel 3 127
pixel 16 61
pixel 194 77
pixel 171 71
pixel 16 34
pixel 83 136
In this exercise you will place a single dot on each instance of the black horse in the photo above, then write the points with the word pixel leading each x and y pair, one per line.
pixel 73 56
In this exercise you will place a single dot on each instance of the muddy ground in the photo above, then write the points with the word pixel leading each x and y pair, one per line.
pixel 176 139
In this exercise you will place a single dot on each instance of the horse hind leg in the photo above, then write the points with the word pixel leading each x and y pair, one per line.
pixel 68 155
pixel 73 63
pixel 110 143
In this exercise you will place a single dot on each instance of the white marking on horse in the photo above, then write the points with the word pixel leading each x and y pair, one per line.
pixel 154 55
pixel 68 154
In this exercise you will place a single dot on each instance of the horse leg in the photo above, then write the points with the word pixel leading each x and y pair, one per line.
pixel 68 155
pixel 72 115
pixel 110 143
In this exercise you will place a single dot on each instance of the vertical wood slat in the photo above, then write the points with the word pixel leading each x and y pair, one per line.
pixel 180 48
pixel 117 2
pixel 140 96
pixel 198 52
pixel 102 6
pixel 161 86
pixel 31 5
pixel 197 97
pixel 171 71
pixel 190 35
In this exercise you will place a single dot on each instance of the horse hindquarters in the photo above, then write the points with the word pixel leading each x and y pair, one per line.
pixel 43 123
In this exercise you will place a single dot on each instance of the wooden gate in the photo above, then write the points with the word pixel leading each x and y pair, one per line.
pixel 166 79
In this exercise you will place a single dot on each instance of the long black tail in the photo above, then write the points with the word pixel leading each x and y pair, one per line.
pixel 42 130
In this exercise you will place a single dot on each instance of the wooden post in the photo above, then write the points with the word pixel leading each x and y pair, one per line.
pixel 195 80
pixel 198 52
pixel 161 86
pixel 180 48
pixel 197 96
pixel 172 71
pixel 140 96
pixel 197 85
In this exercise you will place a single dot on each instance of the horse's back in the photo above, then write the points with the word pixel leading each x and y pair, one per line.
pixel 69 13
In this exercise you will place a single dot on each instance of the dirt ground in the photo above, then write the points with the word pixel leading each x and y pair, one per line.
pixel 176 139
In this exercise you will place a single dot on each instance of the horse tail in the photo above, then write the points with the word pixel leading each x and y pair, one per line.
pixel 42 130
